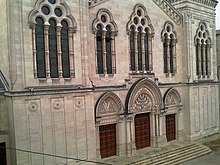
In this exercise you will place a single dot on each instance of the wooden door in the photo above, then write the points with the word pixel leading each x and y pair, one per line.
pixel 170 127
pixel 107 134
pixel 142 130
pixel 3 160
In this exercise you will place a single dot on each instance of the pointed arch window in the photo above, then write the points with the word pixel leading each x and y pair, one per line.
pixel 140 33
pixel 105 30
pixel 169 39
pixel 52 32
pixel 203 54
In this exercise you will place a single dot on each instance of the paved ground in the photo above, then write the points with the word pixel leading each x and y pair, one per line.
pixel 210 159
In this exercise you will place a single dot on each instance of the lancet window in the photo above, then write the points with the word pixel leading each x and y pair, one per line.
pixel 53 30
pixel 169 39
pixel 105 30
pixel 203 54
pixel 140 32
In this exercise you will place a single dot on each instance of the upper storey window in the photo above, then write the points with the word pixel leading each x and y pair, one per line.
pixel 169 40
pixel 140 33
pixel 52 32
pixel 105 30
pixel 203 54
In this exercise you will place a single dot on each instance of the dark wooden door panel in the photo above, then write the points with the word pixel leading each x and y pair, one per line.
pixel 142 130
pixel 107 135
pixel 170 127
pixel 3 160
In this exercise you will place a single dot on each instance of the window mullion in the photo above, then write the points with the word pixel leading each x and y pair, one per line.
pixel 104 50
pixel 34 50
pixel 46 30
pixel 60 71
pixel 150 52
pixel 143 52
pixel 136 49
pixel 71 51
pixel 113 53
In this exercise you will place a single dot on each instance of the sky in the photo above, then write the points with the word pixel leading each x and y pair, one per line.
pixel 218 15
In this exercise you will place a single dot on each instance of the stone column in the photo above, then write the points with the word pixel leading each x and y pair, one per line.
pixel 104 51
pixel 34 50
pixel 71 52
pixel 58 30
pixel 46 42
pixel 113 54
pixel 150 37
pixel 143 52
pixel 136 50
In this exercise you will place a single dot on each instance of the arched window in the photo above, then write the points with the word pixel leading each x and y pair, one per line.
pixel 105 31
pixel 203 55
pixel 65 49
pixel 40 57
pixel 140 33
pixel 53 49
pixel 169 40
pixel 52 31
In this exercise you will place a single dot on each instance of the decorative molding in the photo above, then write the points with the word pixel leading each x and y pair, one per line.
pixel 146 91
pixel 109 104
pixel 57 104
pixel 172 98
pixel 210 3
pixel 93 3
pixel 173 13
pixel 79 102
pixel 33 105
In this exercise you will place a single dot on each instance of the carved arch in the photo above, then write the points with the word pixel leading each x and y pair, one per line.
pixel 109 104
pixel 172 98
pixel 144 95
pixel 142 17
pixel 66 14
pixel 109 21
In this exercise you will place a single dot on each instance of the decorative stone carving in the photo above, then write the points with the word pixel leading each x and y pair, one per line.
pixel 172 98
pixel 108 105
pixel 57 104
pixel 33 106
pixel 79 102
pixel 145 96
pixel 143 102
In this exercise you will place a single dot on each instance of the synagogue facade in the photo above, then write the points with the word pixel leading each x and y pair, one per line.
pixel 94 79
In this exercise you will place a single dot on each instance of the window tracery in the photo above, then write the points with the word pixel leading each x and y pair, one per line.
pixel 52 33
pixel 105 30
pixel 203 54
pixel 169 39
pixel 141 32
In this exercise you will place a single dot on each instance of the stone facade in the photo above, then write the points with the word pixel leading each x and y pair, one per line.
pixel 55 120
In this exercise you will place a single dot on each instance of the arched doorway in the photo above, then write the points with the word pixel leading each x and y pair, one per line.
pixel 107 112
pixel 172 105
pixel 143 102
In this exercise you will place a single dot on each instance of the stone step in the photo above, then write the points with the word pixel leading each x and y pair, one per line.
pixel 166 153
pixel 176 156
pixel 183 156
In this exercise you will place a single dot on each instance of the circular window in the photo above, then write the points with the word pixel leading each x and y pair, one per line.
pixel 135 20
pixel 168 28
pixel 202 27
pixel 139 13
pixel 204 35
pixel 103 18
pixel 200 34
pixel 58 12
pixel 45 10
pixel 52 1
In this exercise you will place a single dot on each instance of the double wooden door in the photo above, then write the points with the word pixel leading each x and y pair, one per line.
pixel 107 134
pixel 170 127
pixel 142 130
